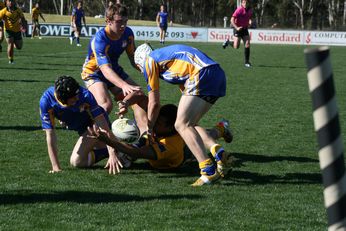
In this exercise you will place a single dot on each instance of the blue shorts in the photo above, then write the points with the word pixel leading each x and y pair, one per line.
pixel 211 82
pixel 163 26
pixel 97 76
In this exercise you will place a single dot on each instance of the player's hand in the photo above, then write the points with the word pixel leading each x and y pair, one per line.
pixel 239 28
pixel 96 132
pixel 55 170
pixel 113 165
pixel 127 88
pixel 123 108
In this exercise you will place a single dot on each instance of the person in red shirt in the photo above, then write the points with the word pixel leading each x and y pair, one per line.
pixel 240 21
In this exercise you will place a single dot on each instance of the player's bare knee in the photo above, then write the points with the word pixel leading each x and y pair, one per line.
pixel 78 161
pixel 107 106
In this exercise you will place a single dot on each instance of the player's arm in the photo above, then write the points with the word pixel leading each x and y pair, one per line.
pixel 99 50
pixel 84 21
pixel 158 19
pixel 153 109
pixel 114 78
pixel 144 152
pixel 233 23
pixel 113 163
pixel 42 17
pixel 52 146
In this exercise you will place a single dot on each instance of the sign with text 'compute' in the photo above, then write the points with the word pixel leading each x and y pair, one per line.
pixel 192 34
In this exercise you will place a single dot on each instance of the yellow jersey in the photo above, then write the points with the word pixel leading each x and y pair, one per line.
pixel 35 13
pixel 11 18
pixel 169 151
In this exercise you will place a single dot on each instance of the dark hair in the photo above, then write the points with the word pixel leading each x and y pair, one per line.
pixel 66 87
pixel 169 112
pixel 116 9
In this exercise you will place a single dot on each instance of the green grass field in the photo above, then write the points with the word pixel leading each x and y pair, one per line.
pixel 276 183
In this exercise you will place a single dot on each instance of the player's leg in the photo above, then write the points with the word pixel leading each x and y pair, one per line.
pixel 10 48
pixel 246 40
pixel 38 30
pixel 222 158
pixel 1 35
pixel 102 96
pixel 190 111
pixel 72 34
pixel 18 41
pixel 161 34
pixel 87 151
pixel 33 32
pixel 78 31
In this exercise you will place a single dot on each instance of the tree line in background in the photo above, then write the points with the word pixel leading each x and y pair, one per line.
pixel 293 14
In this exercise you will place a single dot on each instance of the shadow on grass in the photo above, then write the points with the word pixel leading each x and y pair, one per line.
pixel 25 128
pixel 275 66
pixel 36 69
pixel 84 197
pixel 246 178
pixel 24 80
pixel 259 158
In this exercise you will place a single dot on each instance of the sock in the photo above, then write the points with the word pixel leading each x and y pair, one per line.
pixel 72 34
pixel 207 167
pixel 100 154
pixel 247 54
pixel 77 39
pixel 216 150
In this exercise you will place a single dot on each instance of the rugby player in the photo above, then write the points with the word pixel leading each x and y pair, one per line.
pixel 77 108
pixel 202 82
pixel 35 23
pixel 76 22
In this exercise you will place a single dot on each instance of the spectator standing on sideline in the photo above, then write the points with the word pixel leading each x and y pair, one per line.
pixel 76 22
pixel 35 23
pixel 241 20
pixel 13 18
pixel 162 22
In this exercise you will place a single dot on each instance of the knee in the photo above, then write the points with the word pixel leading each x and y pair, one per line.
pixel 107 106
pixel 78 161
pixel 180 126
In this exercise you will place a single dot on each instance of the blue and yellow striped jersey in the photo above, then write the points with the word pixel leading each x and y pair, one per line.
pixel 105 50
pixel 174 64
pixel 76 117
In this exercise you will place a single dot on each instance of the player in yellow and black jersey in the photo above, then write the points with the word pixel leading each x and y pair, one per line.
pixel 35 23
pixel 2 6
pixel 167 150
pixel 13 18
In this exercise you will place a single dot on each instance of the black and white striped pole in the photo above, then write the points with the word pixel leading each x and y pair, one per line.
pixel 327 127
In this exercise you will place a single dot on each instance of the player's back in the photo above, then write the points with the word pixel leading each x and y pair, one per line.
pixel 183 53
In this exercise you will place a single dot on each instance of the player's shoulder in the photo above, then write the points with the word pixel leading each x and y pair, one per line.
pixel 128 31
pixel 47 97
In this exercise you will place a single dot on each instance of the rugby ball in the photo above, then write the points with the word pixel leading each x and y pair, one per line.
pixel 125 130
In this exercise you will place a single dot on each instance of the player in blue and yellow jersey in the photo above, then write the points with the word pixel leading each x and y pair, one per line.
pixel 162 22
pixel 12 17
pixel 36 12
pixel 101 70
pixel 76 22
pixel 2 6
pixel 77 108
pixel 168 151
pixel 202 82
